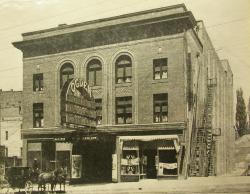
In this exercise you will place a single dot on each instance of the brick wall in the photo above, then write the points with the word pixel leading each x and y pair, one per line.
pixel 141 89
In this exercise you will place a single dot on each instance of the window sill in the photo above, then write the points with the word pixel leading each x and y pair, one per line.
pixel 155 81
pixel 129 84
pixel 160 122
pixel 38 92
pixel 96 87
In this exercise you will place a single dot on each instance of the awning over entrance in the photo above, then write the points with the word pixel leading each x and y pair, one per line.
pixel 168 142
pixel 148 137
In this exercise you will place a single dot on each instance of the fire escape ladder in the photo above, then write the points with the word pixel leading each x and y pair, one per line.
pixel 202 155
pixel 210 144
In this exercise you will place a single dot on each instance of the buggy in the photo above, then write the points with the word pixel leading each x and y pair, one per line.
pixel 20 178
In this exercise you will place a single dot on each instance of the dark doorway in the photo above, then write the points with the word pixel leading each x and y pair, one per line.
pixel 48 156
pixel 151 168
pixel 96 160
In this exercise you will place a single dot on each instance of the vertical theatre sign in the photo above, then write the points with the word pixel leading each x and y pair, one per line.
pixel 77 105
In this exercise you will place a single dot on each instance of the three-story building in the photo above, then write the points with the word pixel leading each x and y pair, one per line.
pixel 116 98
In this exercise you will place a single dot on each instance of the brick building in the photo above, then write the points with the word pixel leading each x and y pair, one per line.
pixel 152 76
pixel 11 124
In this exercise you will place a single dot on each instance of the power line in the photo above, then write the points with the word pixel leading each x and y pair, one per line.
pixel 228 22
pixel 46 18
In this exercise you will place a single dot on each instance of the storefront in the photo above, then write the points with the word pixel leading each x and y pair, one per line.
pixel 48 155
pixel 147 157
pixel 84 158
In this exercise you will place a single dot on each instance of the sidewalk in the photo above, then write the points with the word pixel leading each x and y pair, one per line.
pixel 224 184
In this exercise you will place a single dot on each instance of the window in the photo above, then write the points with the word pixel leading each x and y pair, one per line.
pixel 123 69
pixel 94 73
pixel 160 68
pixel 160 108
pixel 21 151
pixel 6 135
pixel 66 73
pixel 20 109
pixel 38 115
pixel 38 82
pixel 98 107
pixel 124 110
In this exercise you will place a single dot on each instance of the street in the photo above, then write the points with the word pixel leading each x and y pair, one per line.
pixel 207 185
pixel 192 185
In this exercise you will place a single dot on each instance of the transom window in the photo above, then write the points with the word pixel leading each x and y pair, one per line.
pixel 98 108
pixel 66 73
pixel 38 82
pixel 124 110
pixel 94 73
pixel 123 69
pixel 160 108
pixel 160 68
pixel 38 120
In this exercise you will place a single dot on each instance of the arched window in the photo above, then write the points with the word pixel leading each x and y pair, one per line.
pixel 123 69
pixel 66 73
pixel 94 73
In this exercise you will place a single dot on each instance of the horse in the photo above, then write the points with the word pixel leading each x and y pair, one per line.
pixel 61 180
pixel 47 177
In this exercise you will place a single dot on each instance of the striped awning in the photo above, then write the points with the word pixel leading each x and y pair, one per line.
pixel 148 137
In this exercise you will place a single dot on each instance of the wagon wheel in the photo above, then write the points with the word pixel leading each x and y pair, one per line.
pixel 5 188
pixel 28 187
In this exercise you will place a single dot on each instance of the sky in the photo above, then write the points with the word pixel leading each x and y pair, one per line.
pixel 227 22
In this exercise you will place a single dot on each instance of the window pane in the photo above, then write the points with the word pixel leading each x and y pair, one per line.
pixel 120 72
pixel 164 67
pixel 123 110
pixel 164 118
pixel 66 72
pixel 99 78
pixel 164 108
pixel 119 110
pixel 164 74
pixel 156 118
pixel 120 120
pixel 157 75
pixel 128 72
pixel 157 68
pixel 160 107
pixel 128 110
pixel 157 109
pixel 129 119
pixel 91 78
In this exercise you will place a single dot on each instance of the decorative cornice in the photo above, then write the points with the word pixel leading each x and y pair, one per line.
pixel 131 31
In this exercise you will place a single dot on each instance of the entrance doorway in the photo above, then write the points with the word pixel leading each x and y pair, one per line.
pixel 96 160
pixel 151 163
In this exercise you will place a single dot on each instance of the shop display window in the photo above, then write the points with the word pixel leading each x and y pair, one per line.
pixel 130 161
pixel 167 162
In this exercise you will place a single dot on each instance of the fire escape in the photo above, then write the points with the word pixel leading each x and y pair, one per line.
pixel 203 144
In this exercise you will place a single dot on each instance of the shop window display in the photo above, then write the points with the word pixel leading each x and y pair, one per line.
pixel 167 162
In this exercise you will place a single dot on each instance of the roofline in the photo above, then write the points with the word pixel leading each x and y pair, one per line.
pixel 107 19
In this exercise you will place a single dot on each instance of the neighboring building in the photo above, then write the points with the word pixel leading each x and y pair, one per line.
pixel 242 155
pixel 152 77
pixel 11 124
